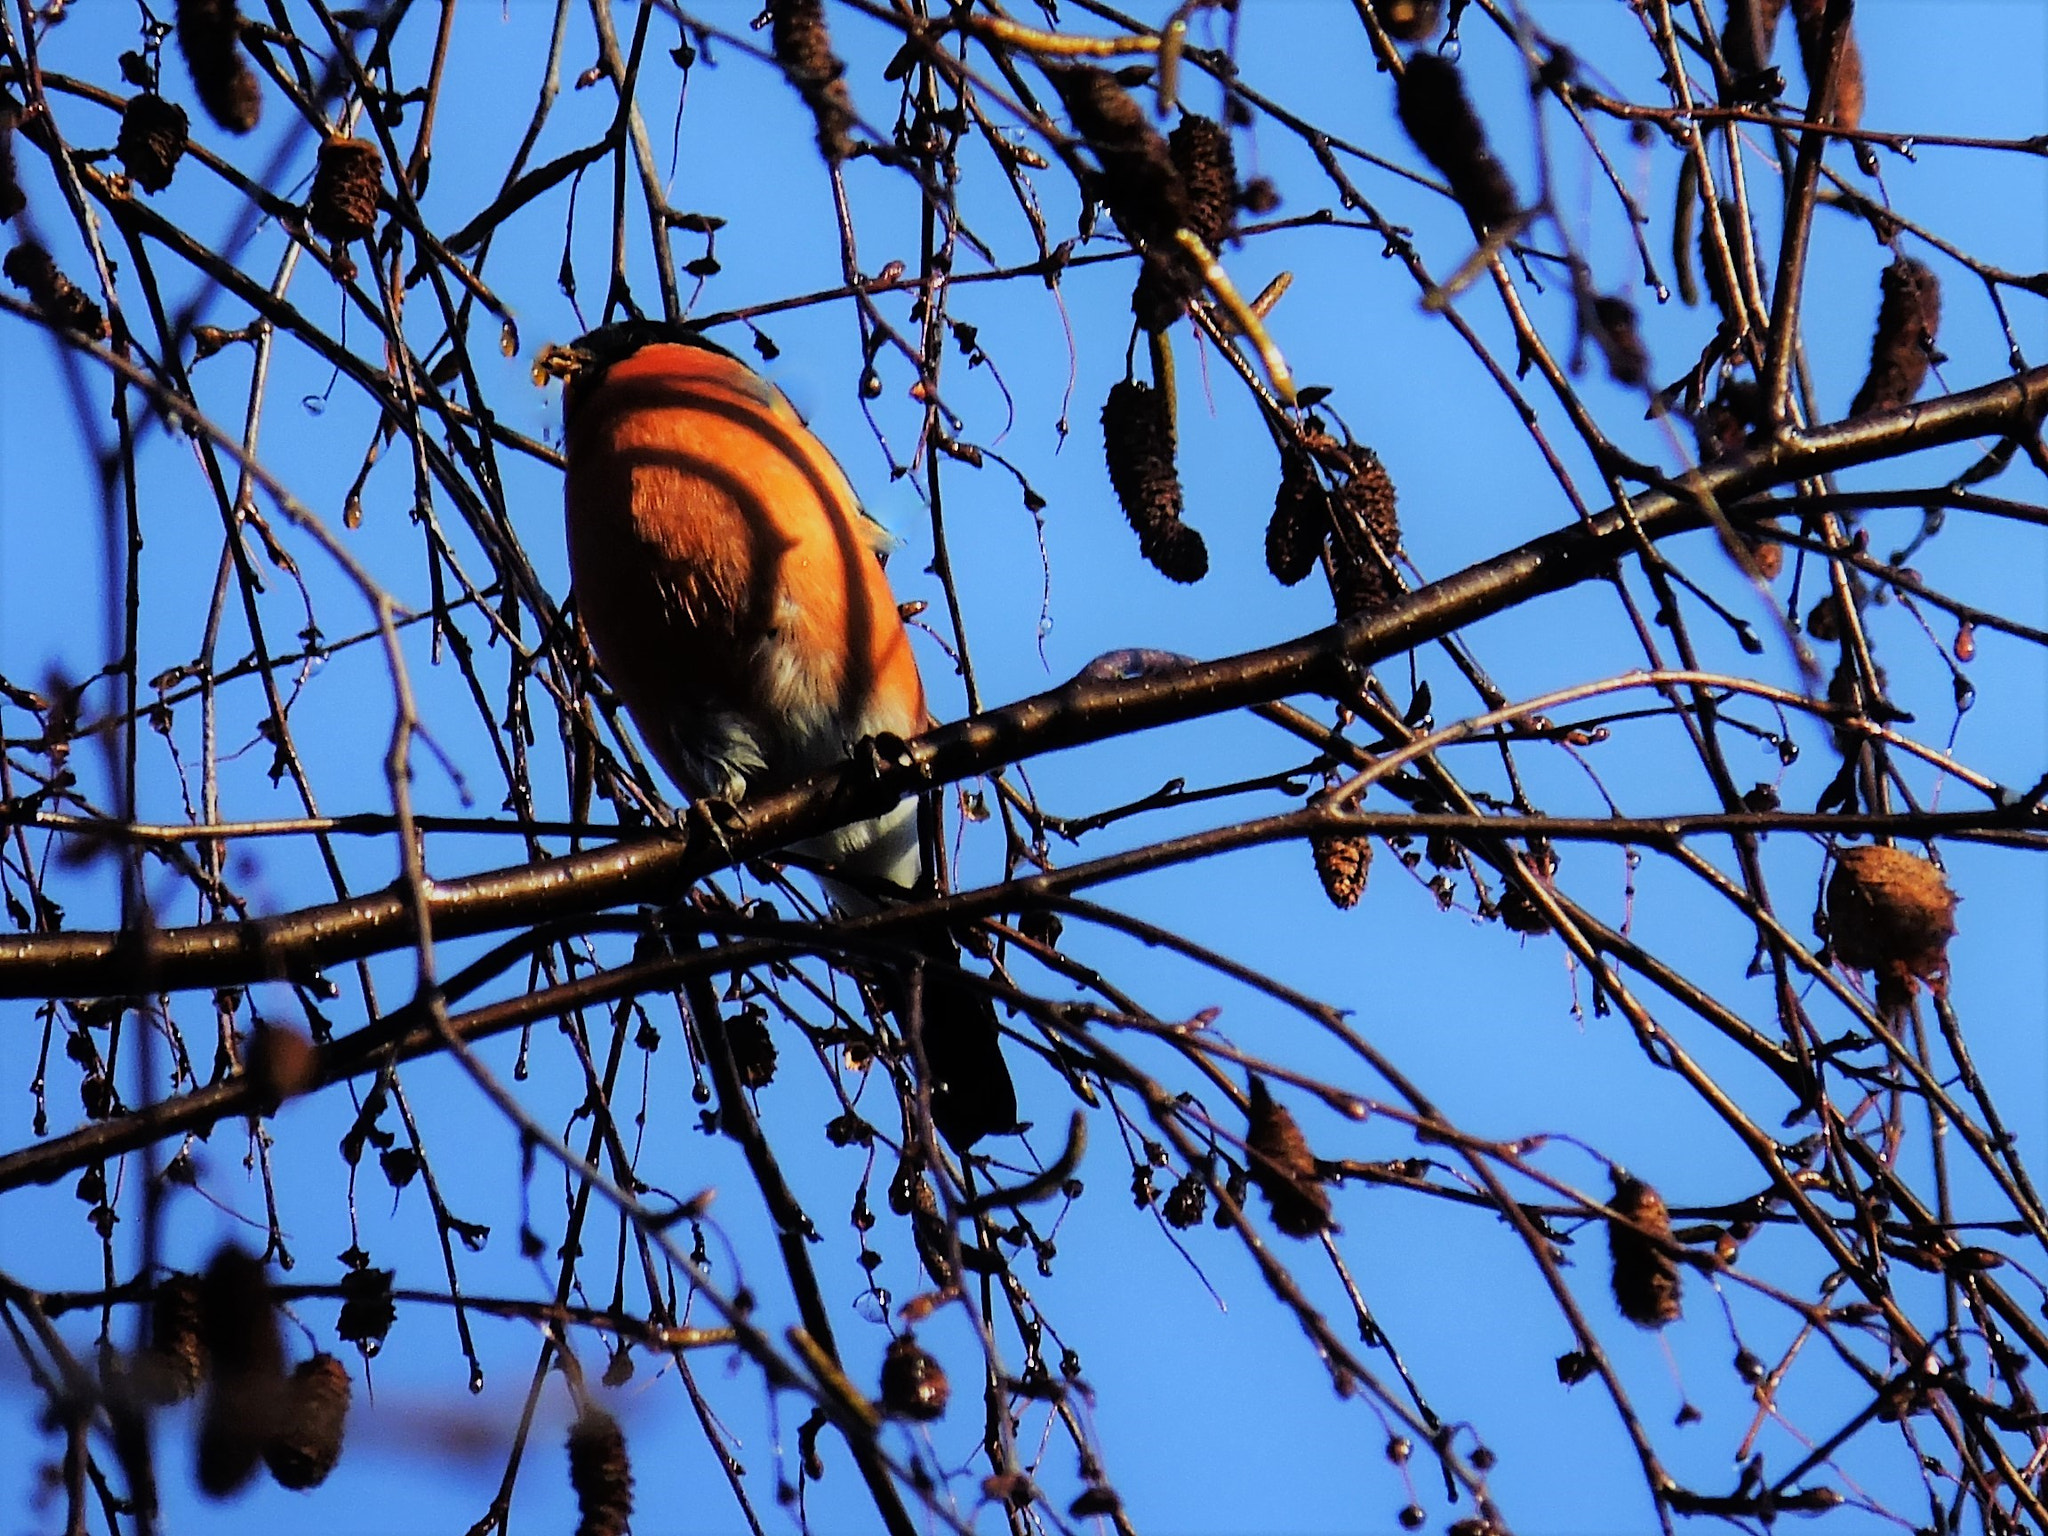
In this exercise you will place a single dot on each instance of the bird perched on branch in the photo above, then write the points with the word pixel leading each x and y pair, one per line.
pixel 734 594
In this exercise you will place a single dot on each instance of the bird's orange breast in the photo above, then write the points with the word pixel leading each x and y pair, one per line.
pixel 725 574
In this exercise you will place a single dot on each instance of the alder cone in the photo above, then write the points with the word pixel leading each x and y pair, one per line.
pixel 1205 168
pixel 1646 1280
pixel 307 1442
pixel 1891 912
pixel 1201 152
pixel 58 299
pixel 1138 447
pixel 347 179
pixel 1284 1168
pixel 601 1474
pixel 1367 537
pixel 1139 183
pixel 1342 864
pixel 174 1365
pixel 1301 519
pixel 153 137
pixel 1908 316
pixel 914 1384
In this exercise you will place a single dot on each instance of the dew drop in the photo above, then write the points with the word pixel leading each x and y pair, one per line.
pixel 508 338
pixel 315 405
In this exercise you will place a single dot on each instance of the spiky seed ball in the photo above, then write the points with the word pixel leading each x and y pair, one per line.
pixel 1342 864
pixel 1366 530
pixel 803 47
pixel 601 1474
pixel 1284 1168
pixel 753 1048
pixel 307 1441
pixel 1409 21
pixel 1646 1279
pixel 347 179
pixel 1138 447
pixel 175 1363
pixel 1439 119
pixel 59 300
pixel 914 1384
pixel 1891 912
pixel 1908 316
pixel 209 35
pixel 153 136
pixel 1301 519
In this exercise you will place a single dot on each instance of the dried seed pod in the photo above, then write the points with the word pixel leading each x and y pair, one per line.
pixel 12 198
pixel 175 1363
pixel 1810 20
pixel 753 1048
pixel 1646 1280
pixel 1206 168
pixel 1342 864
pixel 238 1322
pixel 1891 912
pixel 59 300
pixel 1138 446
pixel 1751 35
pixel 1615 332
pixel 153 136
pixel 803 47
pixel 1282 1166
pixel 1366 531
pixel 1908 316
pixel 1140 183
pixel 1409 21
pixel 1301 519
pixel 307 1441
pixel 914 1385
pixel 1187 1201
pixel 347 179
pixel 1441 122
pixel 209 35
pixel 1200 147
pixel 601 1474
